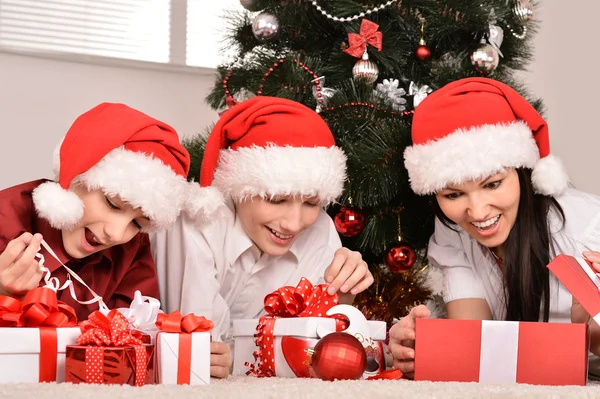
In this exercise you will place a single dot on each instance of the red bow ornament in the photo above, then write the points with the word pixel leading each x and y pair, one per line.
pixel 111 330
pixel 368 35
pixel 302 301
pixel 175 322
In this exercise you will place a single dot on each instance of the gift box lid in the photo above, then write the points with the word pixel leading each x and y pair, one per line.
pixel 582 282
pixel 27 340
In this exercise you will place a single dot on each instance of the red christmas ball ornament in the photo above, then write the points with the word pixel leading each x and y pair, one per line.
pixel 338 356
pixel 400 258
pixel 423 52
pixel 349 222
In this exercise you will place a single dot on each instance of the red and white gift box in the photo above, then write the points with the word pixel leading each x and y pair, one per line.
pixel 183 349
pixel 26 354
pixel 501 352
pixel 289 353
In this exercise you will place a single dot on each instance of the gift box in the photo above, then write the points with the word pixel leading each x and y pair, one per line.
pixel 33 355
pixel 281 338
pixel 183 347
pixel 501 352
pixel 33 337
pixel 581 280
pixel 108 352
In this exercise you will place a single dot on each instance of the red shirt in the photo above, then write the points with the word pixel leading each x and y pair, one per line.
pixel 114 274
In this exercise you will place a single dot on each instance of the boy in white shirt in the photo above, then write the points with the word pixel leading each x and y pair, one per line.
pixel 276 163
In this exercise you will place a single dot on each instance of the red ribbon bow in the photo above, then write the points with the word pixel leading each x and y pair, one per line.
pixel 175 322
pixel 302 301
pixel 39 308
pixel 368 35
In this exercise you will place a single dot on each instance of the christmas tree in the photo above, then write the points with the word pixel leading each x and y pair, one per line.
pixel 365 65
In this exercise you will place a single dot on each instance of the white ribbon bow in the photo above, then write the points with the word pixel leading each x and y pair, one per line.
pixel 418 93
pixel 142 313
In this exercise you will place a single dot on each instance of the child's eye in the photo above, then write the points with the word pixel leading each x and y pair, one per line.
pixel 136 224
pixel 493 184
pixel 312 203
pixel 110 204
pixel 275 201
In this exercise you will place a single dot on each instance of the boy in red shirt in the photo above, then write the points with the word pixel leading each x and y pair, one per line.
pixel 120 174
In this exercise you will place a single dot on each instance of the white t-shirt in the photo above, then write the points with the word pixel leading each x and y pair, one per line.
pixel 470 271
pixel 219 273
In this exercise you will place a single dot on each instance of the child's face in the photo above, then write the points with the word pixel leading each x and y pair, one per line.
pixel 274 224
pixel 106 222
pixel 486 208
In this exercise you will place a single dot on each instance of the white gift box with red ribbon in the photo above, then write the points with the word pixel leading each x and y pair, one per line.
pixel 291 337
pixel 24 350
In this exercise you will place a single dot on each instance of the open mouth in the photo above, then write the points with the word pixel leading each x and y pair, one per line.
pixel 91 238
pixel 280 236
pixel 487 225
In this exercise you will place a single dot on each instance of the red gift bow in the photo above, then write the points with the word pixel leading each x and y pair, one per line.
pixel 175 322
pixel 110 330
pixel 302 301
pixel 368 35
pixel 39 309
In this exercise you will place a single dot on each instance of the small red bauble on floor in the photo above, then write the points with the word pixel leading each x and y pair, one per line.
pixel 338 356
pixel 400 258
pixel 423 52
pixel 349 222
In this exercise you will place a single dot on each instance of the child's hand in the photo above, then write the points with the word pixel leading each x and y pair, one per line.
pixel 348 273
pixel 220 360
pixel 19 270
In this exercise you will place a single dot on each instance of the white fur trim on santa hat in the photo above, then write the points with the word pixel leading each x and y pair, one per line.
pixel 549 176
pixel 61 208
pixel 470 154
pixel 281 170
pixel 202 203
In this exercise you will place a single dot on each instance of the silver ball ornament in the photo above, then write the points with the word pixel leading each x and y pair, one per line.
pixel 523 10
pixel 485 59
pixel 366 71
pixel 252 5
pixel 265 27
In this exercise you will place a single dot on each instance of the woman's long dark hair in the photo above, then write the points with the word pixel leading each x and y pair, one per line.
pixel 526 253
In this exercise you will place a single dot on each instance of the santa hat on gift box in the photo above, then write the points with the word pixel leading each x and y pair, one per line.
pixel 268 146
pixel 473 128
pixel 124 153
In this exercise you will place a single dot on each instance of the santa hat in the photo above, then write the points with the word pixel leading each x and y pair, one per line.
pixel 473 128
pixel 124 153
pixel 268 146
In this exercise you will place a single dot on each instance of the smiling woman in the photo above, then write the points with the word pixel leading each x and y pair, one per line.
pixel 503 206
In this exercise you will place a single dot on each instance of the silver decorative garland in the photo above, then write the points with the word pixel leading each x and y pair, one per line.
pixel 354 17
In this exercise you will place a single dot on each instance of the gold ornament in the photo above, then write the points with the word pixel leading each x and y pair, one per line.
pixel 523 10
pixel 485 58
pixel 365 70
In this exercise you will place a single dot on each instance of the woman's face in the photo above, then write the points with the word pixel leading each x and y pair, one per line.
pixel 486 208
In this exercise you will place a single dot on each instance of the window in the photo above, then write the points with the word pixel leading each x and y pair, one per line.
pixel 180 32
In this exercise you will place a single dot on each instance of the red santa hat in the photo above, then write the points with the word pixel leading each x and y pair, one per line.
pixel 473 128
pixel 268 146
pixel 124 153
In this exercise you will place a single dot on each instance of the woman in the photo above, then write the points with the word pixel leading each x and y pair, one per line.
pixel 504 210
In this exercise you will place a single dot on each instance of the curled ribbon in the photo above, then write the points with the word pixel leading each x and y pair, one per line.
pixel 142 312
pixel 305 300
pixel 39 308
pixel 175 322
pixel 368 35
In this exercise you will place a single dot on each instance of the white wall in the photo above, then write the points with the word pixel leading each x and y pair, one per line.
pixel 564 74
pixel 40 98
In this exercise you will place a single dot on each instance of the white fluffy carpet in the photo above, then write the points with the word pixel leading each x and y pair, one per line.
pixel 264 388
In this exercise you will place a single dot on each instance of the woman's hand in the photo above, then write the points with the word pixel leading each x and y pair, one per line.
pixel 402 340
